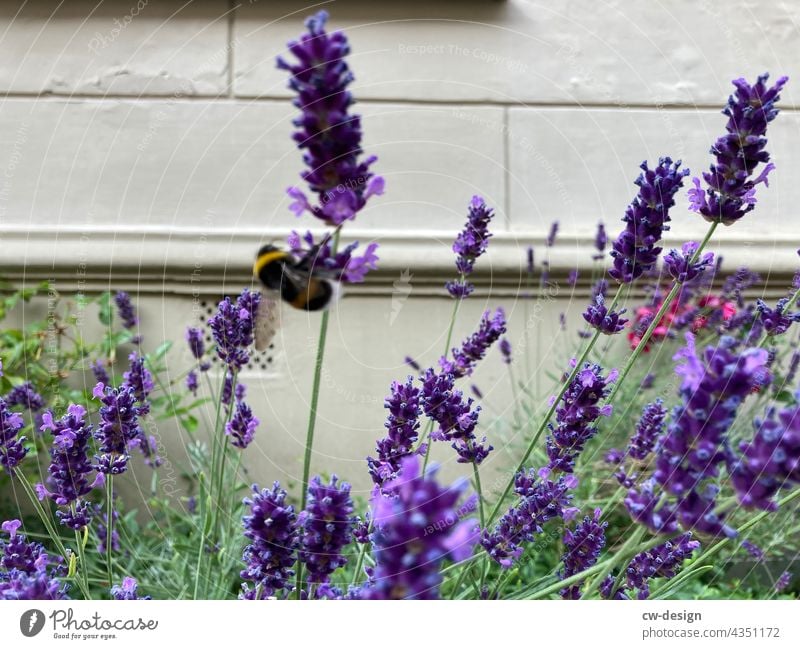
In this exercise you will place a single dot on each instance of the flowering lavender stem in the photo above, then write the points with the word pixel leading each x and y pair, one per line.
pixel 621 557
pixel 429 427
pixel 551 410
pixel 676 287
pixel 48 523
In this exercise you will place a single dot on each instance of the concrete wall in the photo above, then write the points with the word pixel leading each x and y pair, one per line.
pixel 151 141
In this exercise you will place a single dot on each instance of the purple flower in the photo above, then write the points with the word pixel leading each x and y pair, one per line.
pixel 776 321
pixel 599 317
pixel 126 311
pixel 27 572
pixel 402 427
pixel 582 546
pixel 329 134
pixel 529 260
pixel 326 527
pixel 541 500
pixel 753 550
pixel 695 443
pixel 505 350
pixel 194 338
pixel 129 590
pixel 232 328
pixel 70 467
pixel 600 241
pixel 572 277
pixel 783 581
pixel 648 430
pixel 769 461
pixel 242 426
pixel 731 190
pixel 455 416
pixel 474 348
pixel 18 554
pixel 345 264
pixel 575 416
pixel 191 382
pixel 272 529
pixel 682 266
pixel 12 450
pixel 470 244
pixel 550 241
pixel 118 428
pixel 662 561
pixel 636 249
pixel 26 396
pixel 412 364
pixel 100 373
pixel 38 585
pixel 138 377
pixel 416 527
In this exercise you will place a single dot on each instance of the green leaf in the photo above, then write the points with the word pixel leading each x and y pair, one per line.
pixel 106 313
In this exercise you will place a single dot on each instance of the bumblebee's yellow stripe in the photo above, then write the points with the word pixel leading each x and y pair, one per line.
pixel 267 258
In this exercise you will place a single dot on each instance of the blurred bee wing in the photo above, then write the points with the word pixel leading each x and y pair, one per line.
pixel 267 321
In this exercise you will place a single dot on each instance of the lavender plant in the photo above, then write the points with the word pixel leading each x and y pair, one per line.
pixel 704 462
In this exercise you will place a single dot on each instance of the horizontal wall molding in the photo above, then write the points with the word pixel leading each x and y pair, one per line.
pixel 186 261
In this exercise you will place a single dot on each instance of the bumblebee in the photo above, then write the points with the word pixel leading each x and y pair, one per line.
pixel 297 282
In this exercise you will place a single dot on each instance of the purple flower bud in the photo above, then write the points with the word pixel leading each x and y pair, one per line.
pixel 242 426
pixel 24 395
pixel 470 244
pixel 326 528
pixel 474 348
pixel 129 590
pixel 600 241
pixel 126 311
pixel 551 236
pixel 599 317
pixel 582 546
pixel 776 321
pixel 681 266
pixel 12 450
pixel 272 529
pixel 194 338
pixel 636 249
pixel 416 527
pixel 648 430
pixel 505 350
pixel 731 189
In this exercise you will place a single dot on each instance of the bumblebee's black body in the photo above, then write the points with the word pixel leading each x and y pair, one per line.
pixel 297 284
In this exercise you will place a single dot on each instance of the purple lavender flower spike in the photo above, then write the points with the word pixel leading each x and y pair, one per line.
pixel 648 430
pixel 662 561
pixel 529 261
pixel 474 348
pixel 27 572
pixel 26 396
pixel 636 249
pixel 191 382
pixel 402 427
pixel 470 244
pixel 730 192
pixel 326 130
pixel 575 416
pixel 455 416
pixel 680 265
pixel 326 528
pixel 599 317
pixel 39 585
pixel 776 321
pixel 12 449
pixel 753 550
pixel 550 241
pixel 128 590
pixel 139 378
pixel 100 373
pixel 417 527
pixel 272 529
pixel 582 546
pixel 232 329
pixel 600 242
pixel 541 500
pixel 769 461
pixel 695 443
pixel 70 468
pixel 118 428
pixel 505 350
pixel 242 426
pixel 783 581
pixel 126 311
pixel 194 339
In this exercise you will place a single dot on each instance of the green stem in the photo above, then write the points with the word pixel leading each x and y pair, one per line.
pixel 109 526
